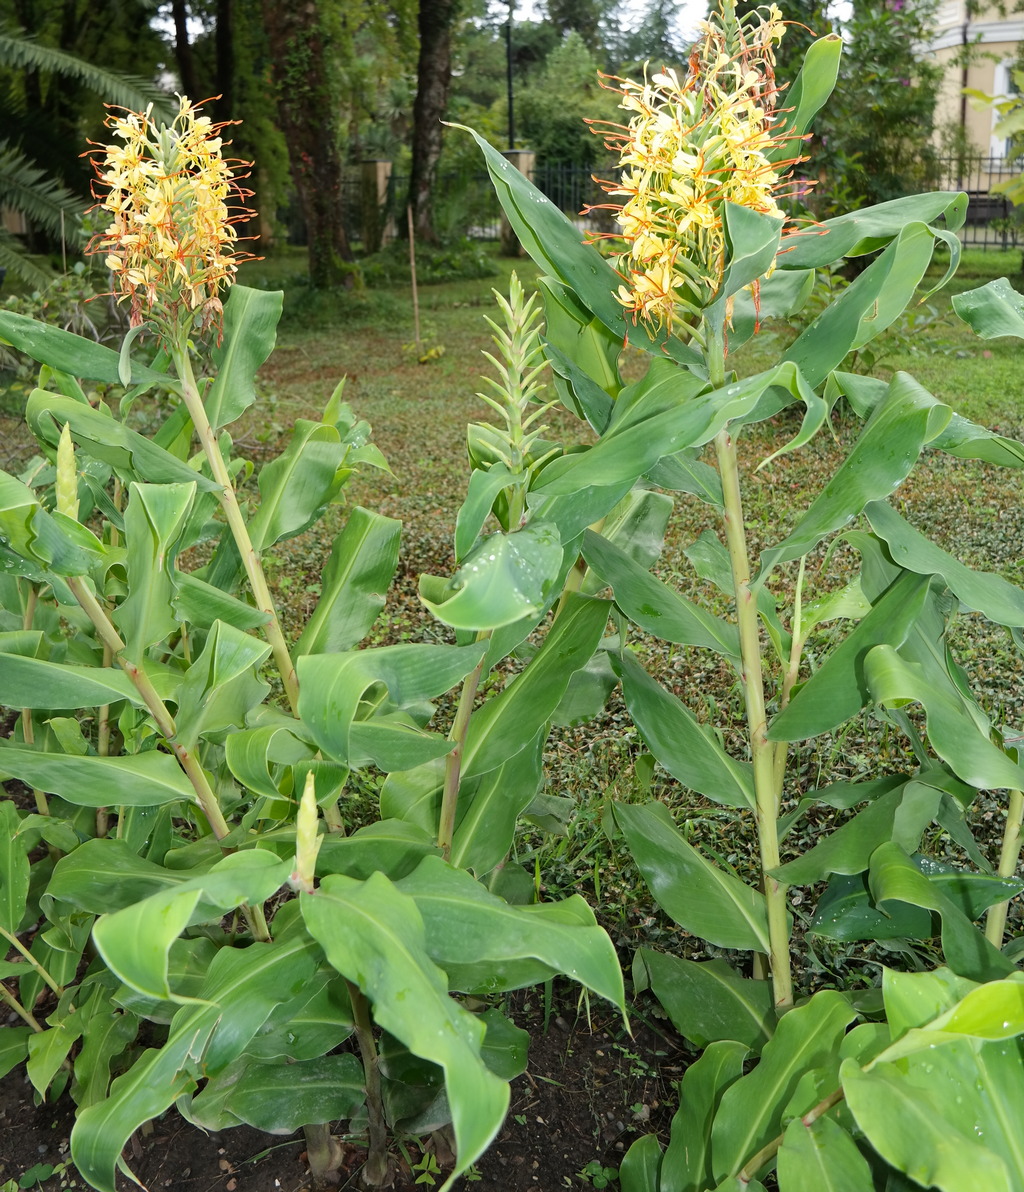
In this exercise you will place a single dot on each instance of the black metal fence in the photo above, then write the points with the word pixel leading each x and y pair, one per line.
pixel 465 203
pixel 992 221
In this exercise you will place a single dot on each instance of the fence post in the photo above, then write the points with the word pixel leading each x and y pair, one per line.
pixel 524 161
pixel 378 225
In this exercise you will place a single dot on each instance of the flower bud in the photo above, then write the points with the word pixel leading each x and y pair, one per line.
pixel 307 839
pixel 66 487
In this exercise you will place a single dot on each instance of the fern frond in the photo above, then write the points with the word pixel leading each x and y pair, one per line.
pixel 21 52
pixel 29 189
pixel 18 263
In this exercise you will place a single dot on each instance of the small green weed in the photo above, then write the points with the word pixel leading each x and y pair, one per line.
pixel 597 1175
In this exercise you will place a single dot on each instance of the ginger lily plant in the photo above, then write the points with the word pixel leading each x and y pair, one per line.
pixel 912 1091
pixel 298 969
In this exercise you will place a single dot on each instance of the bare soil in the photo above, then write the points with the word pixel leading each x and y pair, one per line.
pixel 589 1091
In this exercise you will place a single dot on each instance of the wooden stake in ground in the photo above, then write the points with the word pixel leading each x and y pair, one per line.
pixel 415 292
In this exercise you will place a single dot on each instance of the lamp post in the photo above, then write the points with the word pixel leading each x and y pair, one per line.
pixel 508 59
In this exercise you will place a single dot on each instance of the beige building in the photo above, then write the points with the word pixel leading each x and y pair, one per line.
pixel 994 42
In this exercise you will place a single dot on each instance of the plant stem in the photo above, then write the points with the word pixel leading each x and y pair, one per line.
pixel 27 728
pixel 323 1154
pixel 792 673
pixel 236 523
pixel 9 999
pixel 16 943
pixel 995 921
pixel 157 708
pixel 771 1149
pixel 762 751
pixel 375 1170
pixel 453 760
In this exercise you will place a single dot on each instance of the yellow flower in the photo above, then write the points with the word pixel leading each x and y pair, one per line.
pixel 175 203
pixel 692 145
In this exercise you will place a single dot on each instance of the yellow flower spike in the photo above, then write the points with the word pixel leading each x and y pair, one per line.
pixel 307 839
pixel 175 203
pixel 692 145
pixel 66 486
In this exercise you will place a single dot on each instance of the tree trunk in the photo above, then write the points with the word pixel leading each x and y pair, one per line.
pixel 183 51
pixel 307 109
pixel 434 76
pixel 224 46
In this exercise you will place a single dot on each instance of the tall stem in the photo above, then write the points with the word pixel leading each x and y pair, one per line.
pixel 236 522
pixel 376 1167
pixel 44 973
pixel 157 708
pixel 453 761
pixel 995 922
pixel 762 751
pixel 27 728
pixel 26 1016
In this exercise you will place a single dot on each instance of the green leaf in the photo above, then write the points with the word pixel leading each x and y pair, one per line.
pixel 154 520
pixel 503 579
pixel 869 229
pixel 480 940
pixel 220 688
pixel 200 604
pixel 299 484
pixel 313 1023
pixel 281 1098
pixel 354 583
pixel 992 310
pixel 135 942
pixel 250 332
pixel 640 1166
pixel 590 351
pixel 333 686
pixel 686 1166
pixel 374 935
pixel 814 84
pixel 752 241
pixel 14 869
pixel 654 605
pixel 143 780
pixel 48 1049
pixel 821 1156
pixel 926 1121
pixel 961 437
pixel 636 526
pixel 751 1111
pixel 698 895
pixel 554 243
pixel 13 1047
pixel 131 455
pixel 954 733
pixel 878 463
pixel 256 755
pixel 106 874
pixel 901 815
pixel 391 846
pixel 663 414
pixel 866 307
pixel 690 752
pixel 241 989
pixel 985 592
pixel 50 539
pixel 70 353
pixel 489 807
pixel 710 1001
pixel 894 877
pixel 107 1031
pixel 509 721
